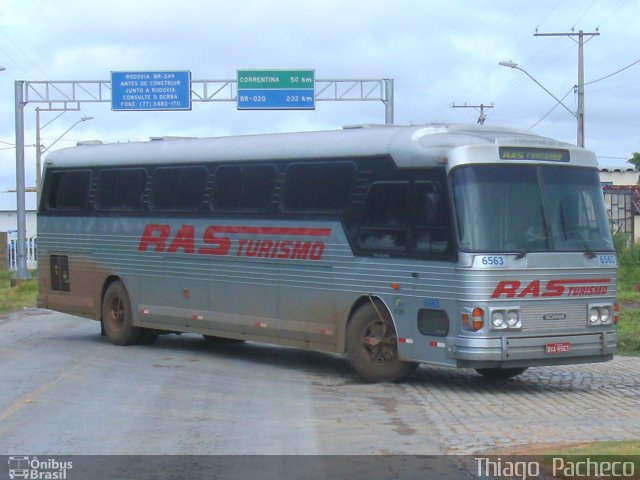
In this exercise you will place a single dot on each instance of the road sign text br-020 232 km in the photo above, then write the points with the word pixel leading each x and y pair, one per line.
pixel 276 89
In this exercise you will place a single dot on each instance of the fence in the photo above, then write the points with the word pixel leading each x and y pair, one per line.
pixel 621 208
pixel 32 251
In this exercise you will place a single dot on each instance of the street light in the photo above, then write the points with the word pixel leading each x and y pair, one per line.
pixel 576 115
pixel 40 150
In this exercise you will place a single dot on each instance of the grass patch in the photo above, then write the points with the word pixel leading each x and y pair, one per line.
pixel 562 460
pixel 16 298
pixel 629 447
pixel 628 328
pixel 628 332
pixel 567 458
pixel 628 271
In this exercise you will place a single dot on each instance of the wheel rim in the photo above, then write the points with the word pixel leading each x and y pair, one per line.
pixel 115 313
pixel 379 342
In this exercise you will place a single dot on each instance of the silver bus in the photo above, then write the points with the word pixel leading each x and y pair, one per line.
pixel 463 246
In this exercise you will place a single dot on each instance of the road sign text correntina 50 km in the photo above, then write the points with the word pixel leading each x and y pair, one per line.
pixel 276 89
pixel 140 91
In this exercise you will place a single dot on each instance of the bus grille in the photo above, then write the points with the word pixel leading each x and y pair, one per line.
pixel 553 316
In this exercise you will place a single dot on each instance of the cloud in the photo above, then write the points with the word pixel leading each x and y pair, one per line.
pixel 437 53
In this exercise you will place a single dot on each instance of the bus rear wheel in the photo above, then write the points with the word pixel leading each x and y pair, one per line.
pixel 372 346
pixel 500 373
pixel 117 318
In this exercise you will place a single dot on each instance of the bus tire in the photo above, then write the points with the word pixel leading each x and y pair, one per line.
pixel 221 340
pixel 117 318
pixel 372 346
pixel 500 373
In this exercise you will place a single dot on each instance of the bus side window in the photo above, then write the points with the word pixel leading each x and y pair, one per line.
pixel 178 188
pixel 120 189
pixel 431 225
pixel 318 186
pixel 243 187
pixel 68 190
pixel 385 219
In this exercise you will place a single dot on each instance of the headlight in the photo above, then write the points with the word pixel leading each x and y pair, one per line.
pixel 505 319
pixel 594 315
pixel 512 319
pixel 497 319
pixel 605 315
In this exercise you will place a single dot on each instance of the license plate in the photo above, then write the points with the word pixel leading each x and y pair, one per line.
pixel 557 347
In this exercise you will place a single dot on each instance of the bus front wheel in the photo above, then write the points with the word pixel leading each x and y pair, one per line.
pixel 372 346
pixel 116 316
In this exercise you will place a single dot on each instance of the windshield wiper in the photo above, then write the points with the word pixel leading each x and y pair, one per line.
pixel 588 250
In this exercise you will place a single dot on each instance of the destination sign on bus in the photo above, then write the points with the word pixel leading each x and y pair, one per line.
pixel 532 153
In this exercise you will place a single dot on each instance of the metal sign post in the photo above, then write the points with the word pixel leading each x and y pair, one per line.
pixel 22 272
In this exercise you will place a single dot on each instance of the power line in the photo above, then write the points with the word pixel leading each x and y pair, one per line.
pixel 552 109
pixel 21 52
pixel 480 89
pixel 548 14
pixel 613 12
pixel 615 88
pixel 585 12
pixel 614 73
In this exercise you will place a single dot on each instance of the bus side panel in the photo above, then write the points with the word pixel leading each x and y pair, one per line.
pixel 85 280
pixel 69 281
pixel 405 287
pixel 306 303
pixel 244 298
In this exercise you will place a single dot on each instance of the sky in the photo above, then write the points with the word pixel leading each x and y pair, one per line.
pixel 439 53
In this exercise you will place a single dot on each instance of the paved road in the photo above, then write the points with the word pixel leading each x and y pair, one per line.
pixel 66 390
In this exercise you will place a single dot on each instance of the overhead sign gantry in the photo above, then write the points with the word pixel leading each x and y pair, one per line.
pixel 68 95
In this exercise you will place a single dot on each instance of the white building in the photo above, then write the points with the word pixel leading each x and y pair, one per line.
pixel 9 222
pixel 619 175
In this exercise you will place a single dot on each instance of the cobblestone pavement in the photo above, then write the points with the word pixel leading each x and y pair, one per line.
pixel 71 391
pixel 563 404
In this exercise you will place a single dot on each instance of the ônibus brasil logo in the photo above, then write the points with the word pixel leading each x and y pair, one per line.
pixel 33 468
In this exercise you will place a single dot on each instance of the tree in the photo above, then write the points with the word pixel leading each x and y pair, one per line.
pixel 635 160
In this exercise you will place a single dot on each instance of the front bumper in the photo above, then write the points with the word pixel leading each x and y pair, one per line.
pixel 507 352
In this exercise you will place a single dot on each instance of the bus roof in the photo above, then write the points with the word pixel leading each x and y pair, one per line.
pixel 409 147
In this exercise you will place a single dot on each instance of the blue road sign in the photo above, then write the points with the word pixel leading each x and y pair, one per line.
pixel 290 99
pixel 276 89
pixel 140 91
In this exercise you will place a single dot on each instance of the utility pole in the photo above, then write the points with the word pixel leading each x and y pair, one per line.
pixel 479 108
pixel 580 87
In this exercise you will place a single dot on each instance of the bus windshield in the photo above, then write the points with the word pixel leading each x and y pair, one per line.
pixel 530 208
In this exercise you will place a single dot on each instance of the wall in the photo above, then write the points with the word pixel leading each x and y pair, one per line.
pixel 9 222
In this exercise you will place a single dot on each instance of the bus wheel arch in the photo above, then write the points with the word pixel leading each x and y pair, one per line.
pixel 371 342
